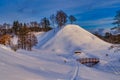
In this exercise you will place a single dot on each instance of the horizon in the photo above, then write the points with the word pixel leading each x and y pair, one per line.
pixel 90 15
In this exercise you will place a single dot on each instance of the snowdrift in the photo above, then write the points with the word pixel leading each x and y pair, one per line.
pixel 71 38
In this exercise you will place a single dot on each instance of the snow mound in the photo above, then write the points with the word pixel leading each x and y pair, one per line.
pixel 73 37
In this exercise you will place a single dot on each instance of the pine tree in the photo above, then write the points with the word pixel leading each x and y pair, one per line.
pixel 16 27
pixel 72 19
pixel 117 21
pixel 45 23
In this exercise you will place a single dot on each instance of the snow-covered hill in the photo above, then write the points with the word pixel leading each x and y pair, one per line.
pixel 43 63
pixel 71 38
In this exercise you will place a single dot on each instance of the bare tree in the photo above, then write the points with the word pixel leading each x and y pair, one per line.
pixel 61 18
pixel 30 40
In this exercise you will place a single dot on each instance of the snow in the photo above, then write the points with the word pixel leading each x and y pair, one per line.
pixel 53 58
pixel 16 66
pixel 103 31
pixel 14 40
pixel 73 37
pixel 45 37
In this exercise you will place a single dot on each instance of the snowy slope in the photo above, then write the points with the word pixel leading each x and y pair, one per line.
pixel 37 65
pixel 73 37
pixel 44 64
pixel 16 66
pixel 44 37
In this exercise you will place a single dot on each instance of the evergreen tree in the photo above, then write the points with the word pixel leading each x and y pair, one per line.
pixel 108 35
pixel 45 24
pixel 34 24
pixel 61 18
pixel 72 19
pixel 16 27
pixel 53 19
pixel 23 30
pixel 117 21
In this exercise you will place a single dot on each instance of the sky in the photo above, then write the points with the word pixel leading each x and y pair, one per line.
pixel 90 14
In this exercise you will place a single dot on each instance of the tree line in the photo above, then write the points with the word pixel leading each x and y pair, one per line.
pixel 109 37
pixel 24 31
pixel 55 20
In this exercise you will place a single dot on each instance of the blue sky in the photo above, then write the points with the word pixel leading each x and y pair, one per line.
pixel 90 14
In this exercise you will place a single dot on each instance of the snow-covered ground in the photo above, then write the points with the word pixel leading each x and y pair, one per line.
pixel 53 58
pixel 103 31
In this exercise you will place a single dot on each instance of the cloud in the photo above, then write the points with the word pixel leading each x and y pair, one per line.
pixel 96 24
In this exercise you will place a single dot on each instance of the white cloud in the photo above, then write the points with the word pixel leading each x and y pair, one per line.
pixel 99 22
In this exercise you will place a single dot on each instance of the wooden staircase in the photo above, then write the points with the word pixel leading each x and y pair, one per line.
pixel 89 61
